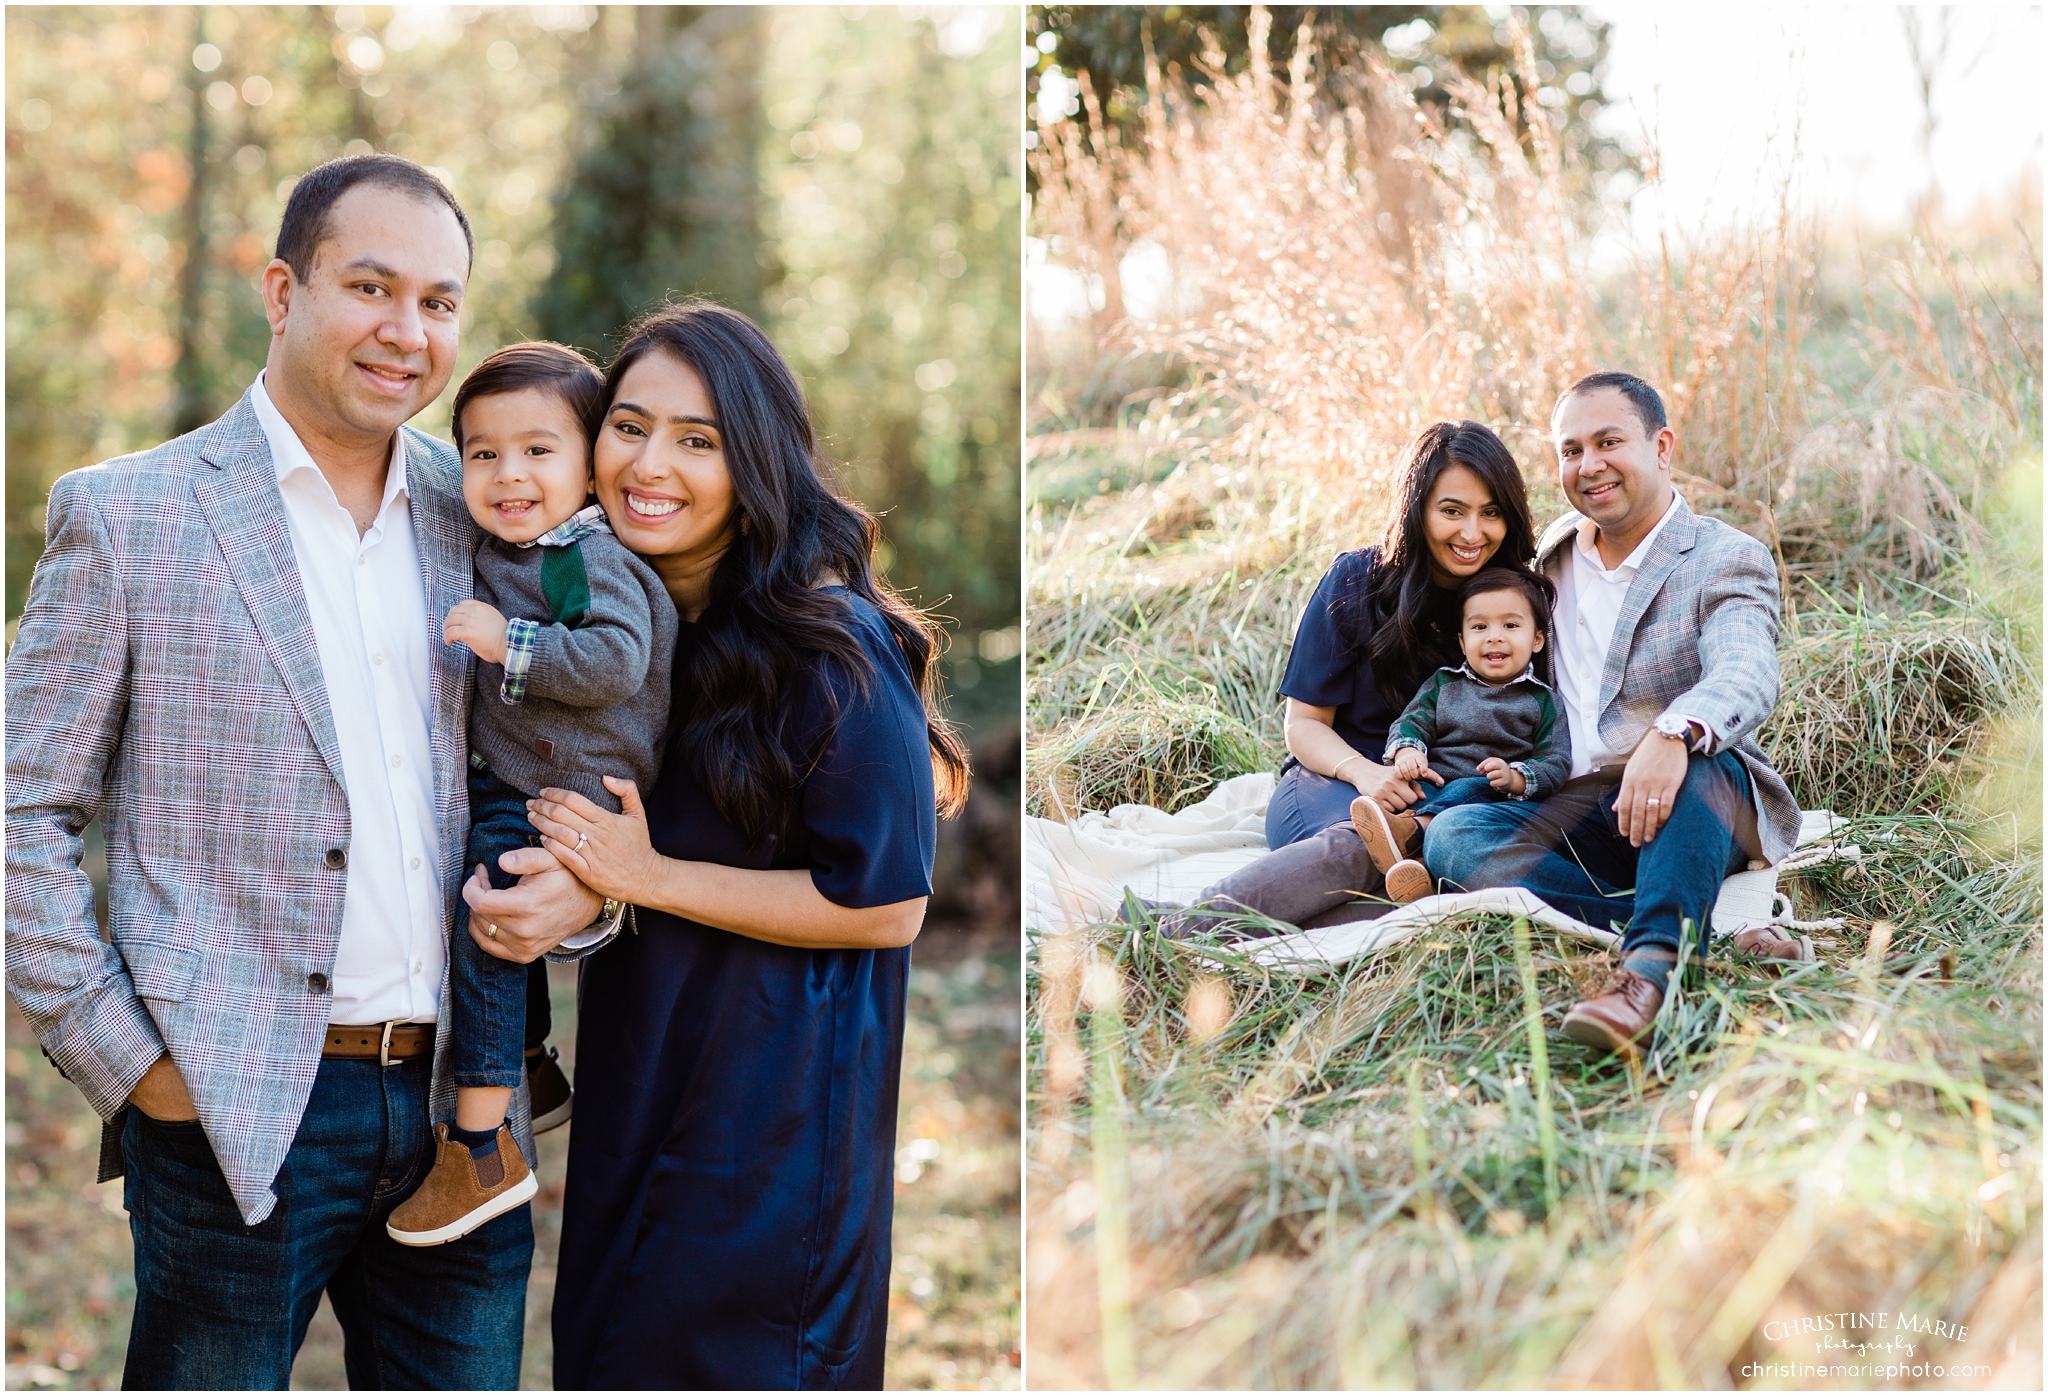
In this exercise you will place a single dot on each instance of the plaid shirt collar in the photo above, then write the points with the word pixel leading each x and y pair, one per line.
pixel 1527 675
pixel 581 524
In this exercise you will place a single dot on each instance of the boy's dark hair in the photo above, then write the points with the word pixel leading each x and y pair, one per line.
pixel 538 363
pixel 306 212
pixel 1534 587
pixel 1641 396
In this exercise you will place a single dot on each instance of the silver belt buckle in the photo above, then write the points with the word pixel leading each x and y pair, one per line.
pixel 384 1047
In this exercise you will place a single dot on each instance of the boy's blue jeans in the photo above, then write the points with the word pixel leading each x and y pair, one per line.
pixel 1569 850
pixel 497 1009
pixel 1304 803
pixel 1466 790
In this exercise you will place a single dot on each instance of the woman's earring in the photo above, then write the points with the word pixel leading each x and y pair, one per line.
pixel 743 525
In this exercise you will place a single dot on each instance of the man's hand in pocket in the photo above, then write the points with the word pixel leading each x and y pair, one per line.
pixel 161 1093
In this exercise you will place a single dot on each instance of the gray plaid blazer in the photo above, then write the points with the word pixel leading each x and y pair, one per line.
pixel 1698 633
pixel 165 679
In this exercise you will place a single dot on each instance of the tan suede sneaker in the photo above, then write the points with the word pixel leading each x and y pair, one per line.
pixel 1409 881
pixel 461 1193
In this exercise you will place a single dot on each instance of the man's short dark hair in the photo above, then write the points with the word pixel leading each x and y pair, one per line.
pixel 307 212
pixel 537 364
pixel 1649 407
pixel 1534 587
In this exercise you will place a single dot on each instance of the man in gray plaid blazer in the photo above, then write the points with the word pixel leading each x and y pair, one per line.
pixel 230 657
pixel 1666 657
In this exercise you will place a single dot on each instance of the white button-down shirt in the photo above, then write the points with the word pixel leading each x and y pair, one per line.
pixel 1589 599
pixel 368 600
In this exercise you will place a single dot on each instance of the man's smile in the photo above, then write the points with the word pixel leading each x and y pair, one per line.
pixel 395 380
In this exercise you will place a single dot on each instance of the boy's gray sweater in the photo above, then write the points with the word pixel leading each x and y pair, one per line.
pixel 596 694
pixel 1459 720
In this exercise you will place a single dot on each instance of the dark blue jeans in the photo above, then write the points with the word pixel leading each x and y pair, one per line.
pixel 1466 790
pixel 492 1007
pixel 1570 851
pixel 221 1305
pixel 1304 803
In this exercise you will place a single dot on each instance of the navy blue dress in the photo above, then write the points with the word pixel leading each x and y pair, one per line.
pixel 731 1170
pixel 1329 668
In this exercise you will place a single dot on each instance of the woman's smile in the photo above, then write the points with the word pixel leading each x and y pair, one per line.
pixel 648 506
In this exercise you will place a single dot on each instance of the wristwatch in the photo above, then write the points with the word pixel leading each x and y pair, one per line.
pixel 1675 727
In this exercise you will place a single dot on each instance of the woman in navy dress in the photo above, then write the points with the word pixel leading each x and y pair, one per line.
pixel 730 1177
pixel 1384 618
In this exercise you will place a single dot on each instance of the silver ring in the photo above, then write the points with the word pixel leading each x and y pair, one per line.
pixel 491 929
pixel 1655 801
pixel 582 838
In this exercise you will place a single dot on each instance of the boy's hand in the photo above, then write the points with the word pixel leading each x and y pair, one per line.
pixel 1410 764
pixel 479 626
pixel 1502 777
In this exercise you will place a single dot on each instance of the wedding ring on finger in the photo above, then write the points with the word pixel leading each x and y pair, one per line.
pixel 582 840
pixel 491 929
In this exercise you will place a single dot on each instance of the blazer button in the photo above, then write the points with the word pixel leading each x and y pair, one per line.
pixel 316 983
pixel 336 858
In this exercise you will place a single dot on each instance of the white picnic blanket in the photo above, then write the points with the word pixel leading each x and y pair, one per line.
pixel 1077 873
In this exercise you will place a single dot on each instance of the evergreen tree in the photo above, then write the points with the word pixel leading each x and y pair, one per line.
pixel 663 199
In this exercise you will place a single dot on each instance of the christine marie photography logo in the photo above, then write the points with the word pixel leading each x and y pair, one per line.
pixel 1886 1346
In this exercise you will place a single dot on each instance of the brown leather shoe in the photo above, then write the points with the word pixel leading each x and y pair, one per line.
pixel 1408 881
pixel 1770 943
pixel 461 1193
pixel 1389 838
pixel 1619 1016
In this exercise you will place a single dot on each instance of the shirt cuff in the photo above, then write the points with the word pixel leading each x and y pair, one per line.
pixel 519 636
pixel 598 933
pixel 1709 738
pixel 1403 744
pixel 1529 781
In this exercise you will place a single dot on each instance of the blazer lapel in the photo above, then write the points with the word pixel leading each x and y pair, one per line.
pixel 1672 545
pixel 246 513
pixel 444 536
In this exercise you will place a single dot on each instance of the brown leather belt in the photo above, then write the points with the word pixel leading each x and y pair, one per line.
pixel 383 1043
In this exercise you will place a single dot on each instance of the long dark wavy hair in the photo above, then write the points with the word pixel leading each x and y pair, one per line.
pixel 1403 650
pixel 767 620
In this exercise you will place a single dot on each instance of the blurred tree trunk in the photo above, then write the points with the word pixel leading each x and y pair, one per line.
pixel 193 409
pixel 663 198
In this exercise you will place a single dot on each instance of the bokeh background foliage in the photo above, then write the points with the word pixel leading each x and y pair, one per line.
pixel 851 177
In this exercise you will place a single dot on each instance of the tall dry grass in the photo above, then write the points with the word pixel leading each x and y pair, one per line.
pixel 1400 1174
pixel 1350 270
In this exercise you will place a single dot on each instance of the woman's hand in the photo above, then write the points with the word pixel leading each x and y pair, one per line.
pixel 612 854
pixel 523 922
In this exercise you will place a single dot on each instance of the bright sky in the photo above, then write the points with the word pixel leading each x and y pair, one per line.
pixel 1726 85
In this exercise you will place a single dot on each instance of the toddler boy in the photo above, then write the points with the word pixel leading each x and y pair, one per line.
pixel 573 636
pixel 1489 729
